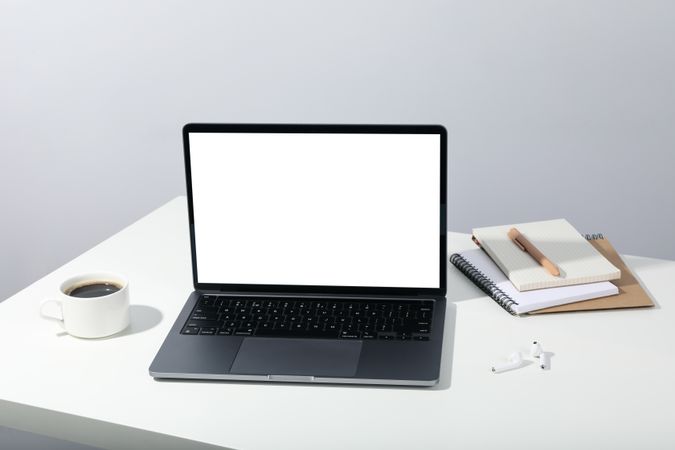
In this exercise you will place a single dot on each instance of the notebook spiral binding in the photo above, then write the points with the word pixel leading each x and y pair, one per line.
pixel 483 283
pixel 594 236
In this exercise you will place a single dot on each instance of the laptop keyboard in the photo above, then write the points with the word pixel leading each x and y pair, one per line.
pixel 310 318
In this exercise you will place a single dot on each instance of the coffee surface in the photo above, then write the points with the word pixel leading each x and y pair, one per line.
pixel 94 289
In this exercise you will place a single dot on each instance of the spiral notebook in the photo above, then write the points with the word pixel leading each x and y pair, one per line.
pixel 579 262
pixel 477 266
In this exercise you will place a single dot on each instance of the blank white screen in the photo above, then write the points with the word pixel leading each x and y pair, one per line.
pixel 317 209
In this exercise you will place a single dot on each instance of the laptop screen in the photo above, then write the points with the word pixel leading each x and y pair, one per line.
pixel 316 209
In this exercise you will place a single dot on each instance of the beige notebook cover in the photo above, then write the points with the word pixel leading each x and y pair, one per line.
pixel 631 294
pixel 579 262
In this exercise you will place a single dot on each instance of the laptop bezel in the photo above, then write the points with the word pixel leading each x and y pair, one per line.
pixel 322 128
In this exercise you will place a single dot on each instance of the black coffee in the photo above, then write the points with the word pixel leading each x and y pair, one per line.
pixel 94 289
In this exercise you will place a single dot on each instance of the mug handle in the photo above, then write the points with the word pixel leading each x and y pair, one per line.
pixel 49 316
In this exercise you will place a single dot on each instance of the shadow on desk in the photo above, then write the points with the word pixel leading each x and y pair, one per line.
pixel 639 264
pixel 143 318
pixel 443 380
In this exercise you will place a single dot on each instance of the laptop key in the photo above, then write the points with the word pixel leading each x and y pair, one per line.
pixel 243 332
pixel 224 332
pixel 190 330
pixel 202 323
pixel 202 316
pixel 350 335
pixel 299 334
pixel 208 330
pixel 205 310
pixel 206 300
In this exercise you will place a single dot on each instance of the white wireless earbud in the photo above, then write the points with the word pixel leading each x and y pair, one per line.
pixel 514 362
pixel 536 350
pixel 545 361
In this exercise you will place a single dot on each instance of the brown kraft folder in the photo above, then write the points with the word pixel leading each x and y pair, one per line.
pixel 631 294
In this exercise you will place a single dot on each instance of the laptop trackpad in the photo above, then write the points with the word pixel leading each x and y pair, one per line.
pixel 310 357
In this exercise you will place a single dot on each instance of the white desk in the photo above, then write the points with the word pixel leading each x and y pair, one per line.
pixel 610 386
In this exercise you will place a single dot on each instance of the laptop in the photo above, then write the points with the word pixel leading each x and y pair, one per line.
pixel 318 255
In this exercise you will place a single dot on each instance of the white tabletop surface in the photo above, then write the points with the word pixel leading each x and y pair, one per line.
pixel 610 384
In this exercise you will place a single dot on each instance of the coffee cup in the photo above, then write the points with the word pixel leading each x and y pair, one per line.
pixel 90 305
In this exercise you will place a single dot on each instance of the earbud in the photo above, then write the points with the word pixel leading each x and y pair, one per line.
pixel 545 361
pixel 514 362
pixel 536 350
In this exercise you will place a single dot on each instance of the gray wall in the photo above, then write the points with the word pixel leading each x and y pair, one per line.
pixel 554 108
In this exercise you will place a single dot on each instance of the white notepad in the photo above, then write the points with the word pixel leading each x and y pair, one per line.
pixel 495 283
pixel 559 241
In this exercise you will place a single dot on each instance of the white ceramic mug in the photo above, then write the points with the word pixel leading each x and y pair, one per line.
pixel 92 317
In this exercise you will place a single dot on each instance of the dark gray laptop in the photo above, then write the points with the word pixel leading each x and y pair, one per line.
pixel 318 255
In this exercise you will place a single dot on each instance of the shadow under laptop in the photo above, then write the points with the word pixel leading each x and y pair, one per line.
pixel 444 379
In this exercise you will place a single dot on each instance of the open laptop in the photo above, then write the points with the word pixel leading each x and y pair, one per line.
pixel 318 255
